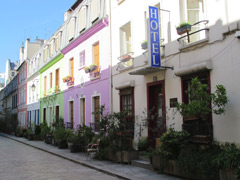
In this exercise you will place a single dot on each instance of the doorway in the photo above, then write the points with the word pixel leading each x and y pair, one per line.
pixel 156 112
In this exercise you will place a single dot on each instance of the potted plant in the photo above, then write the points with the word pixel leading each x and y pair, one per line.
pixel 64 79
pixel 70 139
pixel 183 28
pixel 61 135
pixel 144 44
pixel 86 69
pixel 93 67
pixel 125 58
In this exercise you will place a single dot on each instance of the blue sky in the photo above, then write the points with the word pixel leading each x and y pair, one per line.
pixel 22 19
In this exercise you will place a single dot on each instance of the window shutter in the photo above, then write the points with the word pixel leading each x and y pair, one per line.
pixel 70 28
pixel 95 9
pixel 82 19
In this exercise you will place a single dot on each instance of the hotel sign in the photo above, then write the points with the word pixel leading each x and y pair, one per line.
pixel 154 40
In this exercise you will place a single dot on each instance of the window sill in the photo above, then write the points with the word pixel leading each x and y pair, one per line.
pixel 183 46
pixel 81 67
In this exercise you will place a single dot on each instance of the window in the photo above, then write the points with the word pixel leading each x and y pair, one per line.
pixel 13 73
pixel 82 112
pixel 95 10
pixel 127 100
pixel 45 86
pixel 50 80
pixel 72 67
pixel 45 54
pixel 57 81
pixel 58 41
pixel 70 29
pixel 125 39
pixel 82 58
pixel 193 125
pixel 82 15
pixel 192 11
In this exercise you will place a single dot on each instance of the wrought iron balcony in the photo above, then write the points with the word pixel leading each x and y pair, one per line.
pixel 69 125
pixel 198 34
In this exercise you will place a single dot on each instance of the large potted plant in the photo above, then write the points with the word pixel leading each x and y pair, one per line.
pixel 183 28
pixel 201 104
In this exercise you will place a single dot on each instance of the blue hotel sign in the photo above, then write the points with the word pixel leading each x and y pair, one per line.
pixel 154 39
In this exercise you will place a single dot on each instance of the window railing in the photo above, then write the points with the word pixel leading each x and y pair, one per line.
pixel 126 61
pixel 69 125
pixel 198 32
pixel 94 126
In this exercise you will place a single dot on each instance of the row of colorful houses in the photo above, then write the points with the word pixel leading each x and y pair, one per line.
pixel 95 58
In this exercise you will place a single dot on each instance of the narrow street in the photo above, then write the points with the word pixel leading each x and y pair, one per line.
pixel 19 161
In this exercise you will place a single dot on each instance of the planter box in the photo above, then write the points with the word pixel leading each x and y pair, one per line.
pixel 93 68
pixel 116 157
pixel 183 29
pixel 127 156
pixel 144 45
pixel 125 58
pixel 62 145
pixel 75 148
pixel 226 174
pixel 87 70
pixel 158 162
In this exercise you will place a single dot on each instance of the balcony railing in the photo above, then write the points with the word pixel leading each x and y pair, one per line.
pixel 69 125
pixel 198 33
pixel 126 61
pixel 94 126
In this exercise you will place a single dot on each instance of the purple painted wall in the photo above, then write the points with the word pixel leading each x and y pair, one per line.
pixel 101 85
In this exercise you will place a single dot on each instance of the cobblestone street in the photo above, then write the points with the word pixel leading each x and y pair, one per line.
pixel 18 161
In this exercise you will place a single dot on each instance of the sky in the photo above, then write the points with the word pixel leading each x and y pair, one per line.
pixel 22 19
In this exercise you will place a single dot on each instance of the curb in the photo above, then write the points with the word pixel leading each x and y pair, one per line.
pixel 72 160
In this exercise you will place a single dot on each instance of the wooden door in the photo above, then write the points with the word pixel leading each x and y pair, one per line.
pixel 83 111
pixel 57 113
pixel 71 113
pixel 156 112
pixel 96 109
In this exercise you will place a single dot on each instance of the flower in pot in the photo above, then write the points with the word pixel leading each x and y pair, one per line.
pixel 144 44
pixel 69 78
pixel 70 139
pixel 93 67
pixel 183 28
pixel 64 79
pixel 125 58
pixel 86 69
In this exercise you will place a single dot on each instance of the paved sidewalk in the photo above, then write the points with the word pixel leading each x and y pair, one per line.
pixel 116 169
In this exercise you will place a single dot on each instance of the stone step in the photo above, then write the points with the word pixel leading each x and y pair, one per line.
pixel 143 158
pixel 142 163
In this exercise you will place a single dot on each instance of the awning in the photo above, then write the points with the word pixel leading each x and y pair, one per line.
pixel 207 65
pixel 145 71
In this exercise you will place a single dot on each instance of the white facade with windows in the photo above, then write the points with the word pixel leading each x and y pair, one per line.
pixel 210 51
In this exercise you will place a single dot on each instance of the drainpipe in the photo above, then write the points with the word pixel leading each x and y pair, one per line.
pixel 110 34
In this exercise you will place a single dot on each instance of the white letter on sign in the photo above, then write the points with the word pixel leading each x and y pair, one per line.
pixel 154 47
pixel 153 13
pixel 154 60
pixel 156 25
